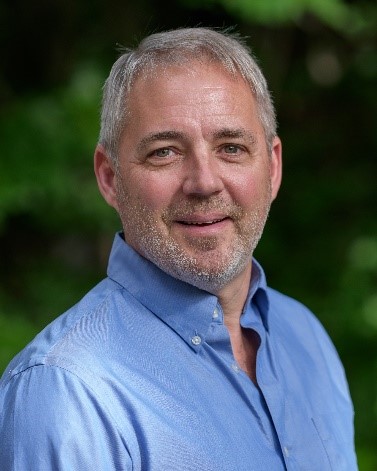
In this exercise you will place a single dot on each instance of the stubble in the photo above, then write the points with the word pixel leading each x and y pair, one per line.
pixel 211 268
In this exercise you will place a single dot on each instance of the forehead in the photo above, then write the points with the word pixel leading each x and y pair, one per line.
pixel 194 88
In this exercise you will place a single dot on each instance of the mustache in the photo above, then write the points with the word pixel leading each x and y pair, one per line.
pixel 202 206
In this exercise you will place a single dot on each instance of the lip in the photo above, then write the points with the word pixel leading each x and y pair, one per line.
pixel 202 219
pixel 203 225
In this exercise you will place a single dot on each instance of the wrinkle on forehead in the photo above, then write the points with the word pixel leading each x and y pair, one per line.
pixel 182 98
pixel 207 100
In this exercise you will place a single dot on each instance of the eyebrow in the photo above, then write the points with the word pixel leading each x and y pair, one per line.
pixel 159 136
pixel 238 133
pixel 223 133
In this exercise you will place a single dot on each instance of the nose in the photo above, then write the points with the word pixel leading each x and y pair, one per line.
pixel 202 175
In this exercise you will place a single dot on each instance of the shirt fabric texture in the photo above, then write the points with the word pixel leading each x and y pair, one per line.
pixel 140 375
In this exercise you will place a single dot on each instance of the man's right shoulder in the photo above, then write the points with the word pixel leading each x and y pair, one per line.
pixel 72 337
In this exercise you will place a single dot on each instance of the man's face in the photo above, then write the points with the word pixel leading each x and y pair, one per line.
pixel 195 182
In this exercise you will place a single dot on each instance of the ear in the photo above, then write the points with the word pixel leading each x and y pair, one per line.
pixel 276 166
pixel 106 179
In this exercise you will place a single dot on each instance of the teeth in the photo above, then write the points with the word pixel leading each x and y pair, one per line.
pixel 201 223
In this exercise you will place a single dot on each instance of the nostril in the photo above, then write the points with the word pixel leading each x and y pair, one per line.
pixel 203 184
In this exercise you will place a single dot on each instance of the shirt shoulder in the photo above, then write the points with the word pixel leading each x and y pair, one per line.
pixel 72 423
pixel 299 331
pixel 73 335
pixel 60 376
pixel 289 313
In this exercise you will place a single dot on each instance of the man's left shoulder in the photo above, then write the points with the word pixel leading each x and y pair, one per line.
pixel 295 320
pixel 301 334
pixel 288 309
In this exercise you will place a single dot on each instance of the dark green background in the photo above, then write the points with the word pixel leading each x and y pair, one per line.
pixel 320 244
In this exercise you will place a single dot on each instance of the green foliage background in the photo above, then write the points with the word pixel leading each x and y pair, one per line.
pixel 320 244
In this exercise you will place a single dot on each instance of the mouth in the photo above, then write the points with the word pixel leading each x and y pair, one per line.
pixel 203 223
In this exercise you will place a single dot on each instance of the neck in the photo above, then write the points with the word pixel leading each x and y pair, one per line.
pixel 233 296
pixel 244 342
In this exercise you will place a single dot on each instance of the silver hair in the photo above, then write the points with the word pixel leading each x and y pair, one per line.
pixel 179 47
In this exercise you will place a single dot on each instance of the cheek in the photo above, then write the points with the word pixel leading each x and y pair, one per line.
pixel 250 190
pixel 154 193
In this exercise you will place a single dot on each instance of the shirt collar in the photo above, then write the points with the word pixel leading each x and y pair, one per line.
pixel 183 307
pixel 257 297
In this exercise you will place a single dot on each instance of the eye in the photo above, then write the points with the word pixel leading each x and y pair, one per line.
pixel 162 156
pixel 231 149
pixel 163 152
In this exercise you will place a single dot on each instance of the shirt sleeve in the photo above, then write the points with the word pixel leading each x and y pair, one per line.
pixel 52 420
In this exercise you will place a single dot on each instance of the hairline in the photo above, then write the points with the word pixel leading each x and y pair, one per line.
pixel 136 64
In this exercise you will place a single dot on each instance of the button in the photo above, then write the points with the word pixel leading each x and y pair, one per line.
pixel 235 367
pixel 215 313
pixel 196 340
pixel 286 451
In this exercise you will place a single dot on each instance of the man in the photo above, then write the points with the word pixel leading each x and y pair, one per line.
pixel 183 358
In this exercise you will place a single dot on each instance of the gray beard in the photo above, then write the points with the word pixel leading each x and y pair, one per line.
pixel 169 257
pixel 142 233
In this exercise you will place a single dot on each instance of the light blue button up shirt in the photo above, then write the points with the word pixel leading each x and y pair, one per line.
pixel 140 375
